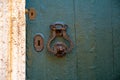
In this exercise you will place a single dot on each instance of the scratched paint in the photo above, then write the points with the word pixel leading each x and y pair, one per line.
pixel 12 40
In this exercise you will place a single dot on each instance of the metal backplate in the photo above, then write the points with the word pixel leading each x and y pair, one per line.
pixel 38 43
pixel 32 13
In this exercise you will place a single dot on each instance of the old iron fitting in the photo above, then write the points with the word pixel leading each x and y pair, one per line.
pixel 31 13
pixel 60 48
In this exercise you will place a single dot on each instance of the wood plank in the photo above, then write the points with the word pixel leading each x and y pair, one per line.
pixel 85 37
pixel 94 41
pixel 104 48
pixel 116 37
pixel 44 66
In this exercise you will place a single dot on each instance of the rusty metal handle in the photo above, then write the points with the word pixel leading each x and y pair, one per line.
pixel 49 42
pixel 65 36
pixel 60 48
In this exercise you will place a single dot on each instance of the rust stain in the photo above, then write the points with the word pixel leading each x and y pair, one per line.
pixel 9 75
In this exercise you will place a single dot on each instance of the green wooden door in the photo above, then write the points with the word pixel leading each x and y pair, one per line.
pixel 94 28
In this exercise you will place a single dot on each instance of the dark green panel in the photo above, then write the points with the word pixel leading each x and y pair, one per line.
pixel 85 36
pixel 116 37
pixel 42 65
pixel 104 46
pixel 94 41
pixel 94 28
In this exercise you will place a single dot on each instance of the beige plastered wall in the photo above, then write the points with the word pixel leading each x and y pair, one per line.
pixel 12 39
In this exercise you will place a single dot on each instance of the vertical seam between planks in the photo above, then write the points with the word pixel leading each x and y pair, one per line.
pixel 74 9
pixel 95 38
pixel 112 37
pixel 94 34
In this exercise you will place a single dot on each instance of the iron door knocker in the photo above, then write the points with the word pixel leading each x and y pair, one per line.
pixel 59 48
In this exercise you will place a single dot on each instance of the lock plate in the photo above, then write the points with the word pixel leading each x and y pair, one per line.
pixel 38 43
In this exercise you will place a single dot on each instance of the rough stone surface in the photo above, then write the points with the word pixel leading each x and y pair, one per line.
pixel 12 39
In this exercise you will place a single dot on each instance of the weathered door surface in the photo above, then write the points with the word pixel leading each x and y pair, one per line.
pixel 93 27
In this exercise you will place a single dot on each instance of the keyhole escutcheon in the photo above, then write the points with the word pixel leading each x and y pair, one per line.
pixel 38 43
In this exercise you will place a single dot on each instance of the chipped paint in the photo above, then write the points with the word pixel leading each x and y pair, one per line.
pixel 12 40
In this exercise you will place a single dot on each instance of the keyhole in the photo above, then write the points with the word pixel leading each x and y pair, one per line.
pixel 31 13
pixel 38 42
